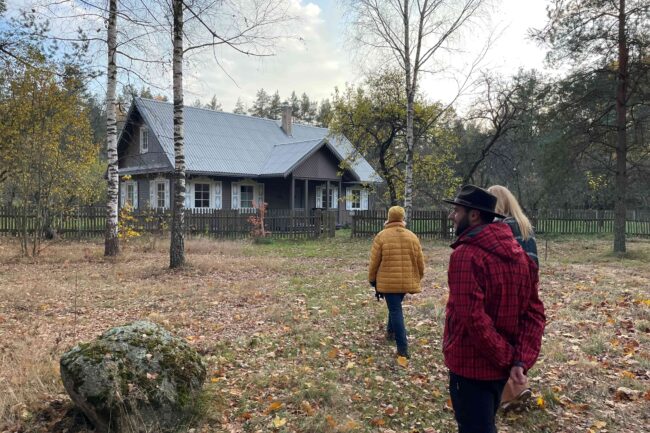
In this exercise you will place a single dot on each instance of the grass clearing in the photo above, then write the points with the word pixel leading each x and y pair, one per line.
pixel 293 337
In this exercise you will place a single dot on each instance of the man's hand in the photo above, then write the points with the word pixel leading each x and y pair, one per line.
pixel 517 375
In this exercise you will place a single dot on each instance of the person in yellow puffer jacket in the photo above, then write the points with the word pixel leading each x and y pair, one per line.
pixel 396 268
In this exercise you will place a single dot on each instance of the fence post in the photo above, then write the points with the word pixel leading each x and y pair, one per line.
pixel 318 222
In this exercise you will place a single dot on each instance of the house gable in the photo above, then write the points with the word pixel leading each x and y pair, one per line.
pixel 322 164
pixel 131 159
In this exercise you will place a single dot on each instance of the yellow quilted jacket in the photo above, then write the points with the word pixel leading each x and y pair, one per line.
pixel 396 260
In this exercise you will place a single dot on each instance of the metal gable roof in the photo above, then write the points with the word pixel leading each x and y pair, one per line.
pixel 225 143
pixel 284 157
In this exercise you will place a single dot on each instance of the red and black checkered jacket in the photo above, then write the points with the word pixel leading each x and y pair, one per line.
pixel 494 315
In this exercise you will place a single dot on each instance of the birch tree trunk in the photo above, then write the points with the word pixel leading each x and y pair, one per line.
pixel 177 247
pixel 111 241
pixel 621 136
pixel 408 170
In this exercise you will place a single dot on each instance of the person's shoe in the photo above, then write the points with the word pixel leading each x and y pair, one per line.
pixel 405 354
pixel 518 401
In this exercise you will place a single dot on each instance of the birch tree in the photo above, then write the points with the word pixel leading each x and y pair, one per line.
pixel 412 33
pixel 177 247
pixel 111 242
pixel 253 27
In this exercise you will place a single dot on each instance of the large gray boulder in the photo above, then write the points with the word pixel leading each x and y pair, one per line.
pixel 134 378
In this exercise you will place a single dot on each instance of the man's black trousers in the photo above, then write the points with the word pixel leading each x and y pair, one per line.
pixel 475 403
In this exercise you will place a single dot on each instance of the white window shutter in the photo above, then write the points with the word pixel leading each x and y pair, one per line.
pixel 319 196
pixel 167 192
pixel 135 194
pixel 335 198
pixel 260 194
pixel 217 195
pixel 188 195
pixel 348 199
pixel 153 202
pixel 234 204
pixel 364 199
pixel 122 193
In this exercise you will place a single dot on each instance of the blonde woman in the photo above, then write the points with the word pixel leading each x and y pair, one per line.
pixel 507 205
pixel 521 227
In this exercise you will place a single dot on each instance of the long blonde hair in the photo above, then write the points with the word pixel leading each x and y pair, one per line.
pixel 508 205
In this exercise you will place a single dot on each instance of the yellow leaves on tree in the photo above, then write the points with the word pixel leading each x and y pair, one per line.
pixel 48 158
pixel 47 139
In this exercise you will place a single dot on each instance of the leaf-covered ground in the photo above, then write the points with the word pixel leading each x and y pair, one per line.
pixel 293 336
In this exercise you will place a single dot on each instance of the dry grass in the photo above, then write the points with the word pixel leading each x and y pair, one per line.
pixel 295 323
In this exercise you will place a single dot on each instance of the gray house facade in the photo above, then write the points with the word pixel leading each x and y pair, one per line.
pixel 236 162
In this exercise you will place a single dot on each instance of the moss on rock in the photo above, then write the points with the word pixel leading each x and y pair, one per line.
pixel 134 373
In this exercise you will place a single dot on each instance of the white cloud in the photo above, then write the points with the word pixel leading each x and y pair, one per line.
pixel 311 63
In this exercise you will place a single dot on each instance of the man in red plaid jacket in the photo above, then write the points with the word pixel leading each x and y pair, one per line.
pixel 494 318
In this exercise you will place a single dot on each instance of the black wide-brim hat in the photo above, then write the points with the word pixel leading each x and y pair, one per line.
pixel 473 197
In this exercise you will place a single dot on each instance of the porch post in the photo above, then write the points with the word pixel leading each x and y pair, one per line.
pixel 327 196
pixel 306 195
pixel 338 205
pixel 293 193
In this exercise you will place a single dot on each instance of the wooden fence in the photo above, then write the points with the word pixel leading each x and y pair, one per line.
pixel 432 224
pixel 435 223
pixel 88 222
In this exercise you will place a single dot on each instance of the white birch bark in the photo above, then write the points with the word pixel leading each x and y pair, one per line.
pixel 111 240
pixel 177 246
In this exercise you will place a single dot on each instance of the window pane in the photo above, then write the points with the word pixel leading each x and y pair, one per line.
pixel 201 195
pixel 145 138
pixel 130 193
pixel 247 196
pixel 160 194
pixel 356 199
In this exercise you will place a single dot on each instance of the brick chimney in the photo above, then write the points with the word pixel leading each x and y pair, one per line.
pixel 286 119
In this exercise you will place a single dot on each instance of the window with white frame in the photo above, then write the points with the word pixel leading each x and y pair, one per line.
pixel 201 195
pixel 356 198
pixel 247 194
pixel 322 197
pixel 129 193
pixel 144 139
pixel 159 193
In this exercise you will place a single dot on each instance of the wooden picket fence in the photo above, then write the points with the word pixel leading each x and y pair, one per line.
pixel 435 223
pixel 89 222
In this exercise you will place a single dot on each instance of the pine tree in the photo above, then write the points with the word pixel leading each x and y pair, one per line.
pixel 239 107
pixel 324 113
pixel 261 105
pixel 275 106
pixel 294 102
pixel 307 109
pixel 214 104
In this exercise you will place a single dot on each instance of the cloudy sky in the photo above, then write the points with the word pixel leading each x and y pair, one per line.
pixel 322 59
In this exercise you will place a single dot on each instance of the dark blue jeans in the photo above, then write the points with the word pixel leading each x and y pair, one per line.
pixel 396 321
pixel 475 403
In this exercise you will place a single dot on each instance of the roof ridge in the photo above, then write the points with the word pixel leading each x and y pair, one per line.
pixel 310 126
pixel 299 141
pixel 210 110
